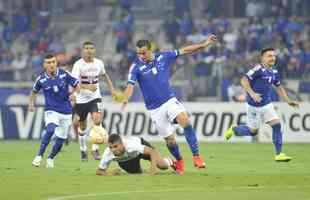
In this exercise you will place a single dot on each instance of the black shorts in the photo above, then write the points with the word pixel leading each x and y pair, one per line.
pixel 133 166
pixel 82 109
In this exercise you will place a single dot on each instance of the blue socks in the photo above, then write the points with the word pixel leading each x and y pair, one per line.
pixel 277 137
pixel 242 130
pixel 57 147
pixel 174 150
pixel 191 139
pixel 50 130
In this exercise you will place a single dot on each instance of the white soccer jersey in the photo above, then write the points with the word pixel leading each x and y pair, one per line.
pixel 88 73
pixel 133 148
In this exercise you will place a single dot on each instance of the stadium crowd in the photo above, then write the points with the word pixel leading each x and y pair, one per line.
pixel 26 34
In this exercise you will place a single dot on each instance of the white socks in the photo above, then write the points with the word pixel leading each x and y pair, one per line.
pixel 95 147
pixel 83 140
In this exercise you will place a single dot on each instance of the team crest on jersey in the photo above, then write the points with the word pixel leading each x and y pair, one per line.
pixel 142 67
pixel 55 88
pixel 154 70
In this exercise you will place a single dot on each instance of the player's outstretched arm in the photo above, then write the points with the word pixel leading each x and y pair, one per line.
pixel 196 47
pixel 127 94
pixel 282 93
pixel 32 98
pixel 247 87
pixel 104 172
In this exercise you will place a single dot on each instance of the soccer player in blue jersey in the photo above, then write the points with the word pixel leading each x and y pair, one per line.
pixel 55 84
pixel 152 71
pixel 258 83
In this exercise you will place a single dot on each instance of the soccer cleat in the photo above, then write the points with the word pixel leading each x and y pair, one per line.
pixel 282 158
pixel 37 161
pixel 49 163
pixel 230 132
pixel 178 165
pixel 198 162
pixel 84 156
pixel 96 154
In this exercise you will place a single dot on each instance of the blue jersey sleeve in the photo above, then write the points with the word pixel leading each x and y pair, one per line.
pixel 276 80
pixel 170 54
pixel 71 80
pixel 253 73
pixel 133 74
pixel 37 85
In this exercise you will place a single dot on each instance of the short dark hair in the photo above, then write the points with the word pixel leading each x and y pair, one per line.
pixel 144 43
pixel 114 138
pixel 48 56
pixel 263 51
pixel 88 43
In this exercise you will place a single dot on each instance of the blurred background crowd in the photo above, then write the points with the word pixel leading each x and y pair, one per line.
pixel 30 28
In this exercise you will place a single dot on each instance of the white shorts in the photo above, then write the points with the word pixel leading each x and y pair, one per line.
pixel 63 122
pixel 163 116
pixel 258 115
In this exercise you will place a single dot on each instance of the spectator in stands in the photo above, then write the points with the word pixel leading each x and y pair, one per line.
pixel 235 91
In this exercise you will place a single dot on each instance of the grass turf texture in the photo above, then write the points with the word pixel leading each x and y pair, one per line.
pixel 235 171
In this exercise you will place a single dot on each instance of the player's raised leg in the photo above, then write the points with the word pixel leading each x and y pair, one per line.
pixel 191 138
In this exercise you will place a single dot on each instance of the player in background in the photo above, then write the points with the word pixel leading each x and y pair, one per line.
pixel 258 83
pixel 55 84
pixel 152 71
pixel 89 70
pixel 128 152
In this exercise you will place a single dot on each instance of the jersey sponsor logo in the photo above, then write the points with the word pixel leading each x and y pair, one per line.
pixel 62 76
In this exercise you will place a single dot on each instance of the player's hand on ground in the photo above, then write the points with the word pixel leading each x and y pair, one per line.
pixel 256 97
pixel 210 40
pixel 294 104
pixel 116 172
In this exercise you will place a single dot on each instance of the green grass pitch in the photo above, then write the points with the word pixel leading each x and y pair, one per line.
pixel 235 172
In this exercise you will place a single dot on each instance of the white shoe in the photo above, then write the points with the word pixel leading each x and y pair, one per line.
pixel 37 161
pixel 49 163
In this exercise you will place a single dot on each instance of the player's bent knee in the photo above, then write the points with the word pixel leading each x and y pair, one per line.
pixel 183 119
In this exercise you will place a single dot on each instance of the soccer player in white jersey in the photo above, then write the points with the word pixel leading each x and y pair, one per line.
pixel 89 70
pixel 128 152
pixel 152 71
pixel 258 83
pixel 58 110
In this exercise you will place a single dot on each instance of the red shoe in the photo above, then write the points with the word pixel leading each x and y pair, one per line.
pixel 198 162
pixel 178 166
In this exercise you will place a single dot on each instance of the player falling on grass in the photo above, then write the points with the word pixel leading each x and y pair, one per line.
pixel 89 70
pixel 55 85
pixel 128 153
pixel 258 83
pixel 152 71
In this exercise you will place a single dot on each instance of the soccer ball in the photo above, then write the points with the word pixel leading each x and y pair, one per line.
pixel 98 135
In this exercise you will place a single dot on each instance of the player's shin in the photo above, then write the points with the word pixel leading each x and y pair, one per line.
pixel 191 138
pixel 56 148
pixel 174 150
pixel 277 137
pixel 50 129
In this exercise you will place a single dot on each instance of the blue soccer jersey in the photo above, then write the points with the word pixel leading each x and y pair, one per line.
pixel 261 80
pixel 56 90
pixel 153 78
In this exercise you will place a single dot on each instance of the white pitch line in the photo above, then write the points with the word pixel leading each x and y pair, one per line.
pixel 178 190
